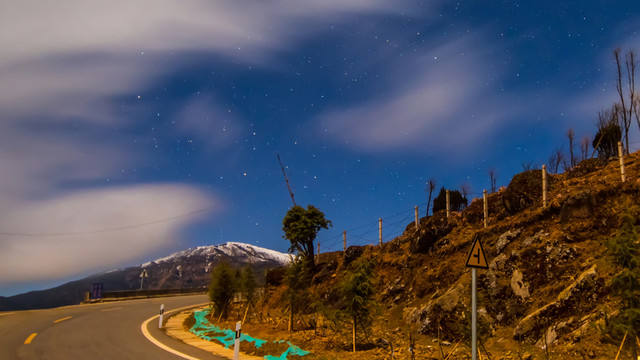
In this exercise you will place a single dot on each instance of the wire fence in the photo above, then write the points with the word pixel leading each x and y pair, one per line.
pixel 391 226
pixel 369 233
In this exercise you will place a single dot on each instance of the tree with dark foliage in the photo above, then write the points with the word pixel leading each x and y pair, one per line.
pixel 222 287
pixel 357 290
pixel 301 227
pixel 456 200
pixel 625 250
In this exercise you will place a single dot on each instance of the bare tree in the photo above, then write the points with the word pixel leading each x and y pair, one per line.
pixel 584 147
pixel 556 158
pixel 465 189
pixel 527 165
pixel 636 109
pixel 609 133
pixel 431 184
pixel 492 178
pixel 571 136
pixel 627 100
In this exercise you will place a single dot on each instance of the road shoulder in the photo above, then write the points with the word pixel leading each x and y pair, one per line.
pixel 174 327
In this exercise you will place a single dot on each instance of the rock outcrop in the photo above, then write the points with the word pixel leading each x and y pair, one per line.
pixel 579 296
pixel 580 206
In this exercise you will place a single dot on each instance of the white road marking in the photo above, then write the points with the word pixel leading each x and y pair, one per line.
pixel 162 346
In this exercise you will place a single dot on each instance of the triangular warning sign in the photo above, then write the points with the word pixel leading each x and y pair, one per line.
pixel 476 256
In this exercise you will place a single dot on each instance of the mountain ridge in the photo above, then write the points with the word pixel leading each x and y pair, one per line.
pixel 182 269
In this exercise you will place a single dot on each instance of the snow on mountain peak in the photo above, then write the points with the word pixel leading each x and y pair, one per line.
pixel 231 249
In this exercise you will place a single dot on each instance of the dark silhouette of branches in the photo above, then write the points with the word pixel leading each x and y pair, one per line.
pixel 492 178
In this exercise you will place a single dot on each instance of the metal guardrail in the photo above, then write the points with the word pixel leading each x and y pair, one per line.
pixel 136 294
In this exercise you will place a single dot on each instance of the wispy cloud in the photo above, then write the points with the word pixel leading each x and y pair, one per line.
pixel 67 56
pixel 447 90
pixel 62 65
pixel 89 230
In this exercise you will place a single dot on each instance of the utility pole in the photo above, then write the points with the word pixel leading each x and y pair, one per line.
pixel 286 179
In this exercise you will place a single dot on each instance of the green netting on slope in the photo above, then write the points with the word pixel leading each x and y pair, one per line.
pixel 292 350
pixel 206 330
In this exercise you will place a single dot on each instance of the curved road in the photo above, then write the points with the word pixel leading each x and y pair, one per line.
pixel 95 331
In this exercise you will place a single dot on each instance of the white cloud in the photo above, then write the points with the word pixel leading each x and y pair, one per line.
pixel 68 55
pixel 445 91
pixel 49 249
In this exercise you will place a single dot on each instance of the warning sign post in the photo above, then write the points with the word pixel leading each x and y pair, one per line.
pixel 476 260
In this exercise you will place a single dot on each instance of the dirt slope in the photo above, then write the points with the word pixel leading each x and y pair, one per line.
pixel 546 292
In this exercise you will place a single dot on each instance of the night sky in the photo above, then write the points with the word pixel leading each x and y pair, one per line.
pixel 132 129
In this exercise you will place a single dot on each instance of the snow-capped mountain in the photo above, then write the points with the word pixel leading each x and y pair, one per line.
pixel 238 251
pixel 189 268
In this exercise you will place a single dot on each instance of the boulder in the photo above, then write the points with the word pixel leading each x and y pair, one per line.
pixel 353 252
pixel 424 240
pixel 394 291
pixel 506 238
pixel 585 167
pixel 446 311
pixel 433 229
pixel 579 206
pixel 518 286
pixel 524 190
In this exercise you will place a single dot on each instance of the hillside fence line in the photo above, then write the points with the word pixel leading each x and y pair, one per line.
pixel 360 237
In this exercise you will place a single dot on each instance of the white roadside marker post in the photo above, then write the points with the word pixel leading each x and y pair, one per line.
pixel 161 314
pixel 236 346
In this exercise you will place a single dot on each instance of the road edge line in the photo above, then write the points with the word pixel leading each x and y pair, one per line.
pixel 162 346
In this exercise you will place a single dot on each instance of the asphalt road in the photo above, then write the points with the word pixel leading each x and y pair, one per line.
pixel 96 331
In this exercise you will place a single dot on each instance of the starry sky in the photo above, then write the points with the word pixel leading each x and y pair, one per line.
pixel 132 129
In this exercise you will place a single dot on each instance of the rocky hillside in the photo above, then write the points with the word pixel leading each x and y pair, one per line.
pixel 547 292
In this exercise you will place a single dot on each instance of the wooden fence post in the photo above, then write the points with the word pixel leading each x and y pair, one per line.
pixel 486 208
pixel 544 186
pixel 344 241
pixel 416 218
pixel 621 156
pixel 380 230
pixel 448 204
